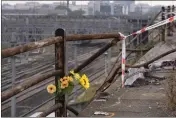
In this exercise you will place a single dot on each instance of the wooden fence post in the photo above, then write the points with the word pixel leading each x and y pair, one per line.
pixel 60 64
pixel 164 26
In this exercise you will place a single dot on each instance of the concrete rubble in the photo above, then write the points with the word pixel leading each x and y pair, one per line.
pixel 133 75
pixel 138 73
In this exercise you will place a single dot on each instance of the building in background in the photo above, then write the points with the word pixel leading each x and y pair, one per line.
pixel 142 8
pixel 92 8
pixel 125 7
pixel 117 9
pixel 105 8
pixel 74 7
pixel 7 6
pixel 111 8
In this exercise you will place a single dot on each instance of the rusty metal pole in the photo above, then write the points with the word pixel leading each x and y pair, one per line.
pixel 164 26
pixel 109 59
pixel 169 30
pixel 173 23
pixel 13 100
pixel 60 64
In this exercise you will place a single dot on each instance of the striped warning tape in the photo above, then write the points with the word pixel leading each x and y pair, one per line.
pixel 123 57
pixel 123 37
pixel 171 19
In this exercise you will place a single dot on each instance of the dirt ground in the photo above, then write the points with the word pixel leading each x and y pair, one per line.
pixel 141 101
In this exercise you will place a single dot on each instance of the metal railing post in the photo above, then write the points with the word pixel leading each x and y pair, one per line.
pixel 106 73
pixel 109 59
pixel 173 23
pixel 164 26
pixel 13 102
pixel 60 64
pixel 169 29
pixel 75 55
pixel 75 65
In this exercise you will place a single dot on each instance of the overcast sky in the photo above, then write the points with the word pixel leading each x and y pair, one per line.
pixel 173 2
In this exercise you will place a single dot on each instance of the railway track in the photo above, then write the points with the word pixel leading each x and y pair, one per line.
pixel 27 94
pixel 27 70
pixel 33 91
pixel 30 92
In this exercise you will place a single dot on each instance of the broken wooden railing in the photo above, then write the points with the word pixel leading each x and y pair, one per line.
pixel 59 42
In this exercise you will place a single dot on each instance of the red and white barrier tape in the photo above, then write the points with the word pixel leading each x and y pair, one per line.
pixel 123 37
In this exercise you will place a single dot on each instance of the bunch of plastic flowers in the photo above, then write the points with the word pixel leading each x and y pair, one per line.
pixel 67 83
pixel 83 81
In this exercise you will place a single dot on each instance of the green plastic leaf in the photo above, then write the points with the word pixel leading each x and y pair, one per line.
pixel 55 94
pixel 69 89
pixel 71 84
pixel 59 86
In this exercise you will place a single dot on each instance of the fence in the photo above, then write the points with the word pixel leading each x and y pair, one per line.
pixel 59 41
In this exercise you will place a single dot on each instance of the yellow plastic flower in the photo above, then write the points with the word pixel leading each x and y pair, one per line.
pixel 70 79
pixel 72 72
pixel 76 75
pixel 64 79
pixel 64 84
pixel 51 88
pixel 84 81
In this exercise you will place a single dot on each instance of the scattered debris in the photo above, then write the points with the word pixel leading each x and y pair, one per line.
pixel 129 106
pixel 104 94
pixel 140 82
pixel 133 75
pixel 157 83
pixel 152 81
pixel 101 113
pixel 100 100
pixel 150 107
